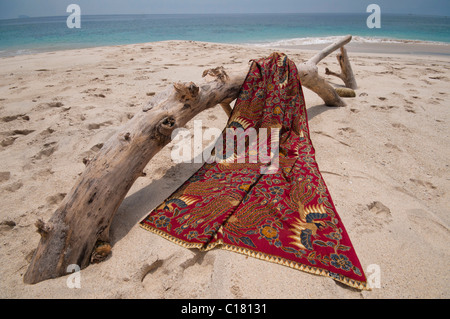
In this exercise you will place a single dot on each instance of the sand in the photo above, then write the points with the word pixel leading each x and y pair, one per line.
pixel 384 157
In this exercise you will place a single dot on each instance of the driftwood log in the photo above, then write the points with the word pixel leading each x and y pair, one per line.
pixel 346 74
pixel 78 231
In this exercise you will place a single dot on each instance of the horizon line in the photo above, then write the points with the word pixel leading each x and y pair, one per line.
pixel 24 16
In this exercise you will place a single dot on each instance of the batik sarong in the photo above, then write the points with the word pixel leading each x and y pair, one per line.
pixel 261 192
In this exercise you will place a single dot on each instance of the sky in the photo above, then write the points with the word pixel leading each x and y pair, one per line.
pixel 38 8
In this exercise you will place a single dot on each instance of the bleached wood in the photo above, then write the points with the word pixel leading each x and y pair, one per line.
pixel 346 74
pixel 86 213
pixel 330 49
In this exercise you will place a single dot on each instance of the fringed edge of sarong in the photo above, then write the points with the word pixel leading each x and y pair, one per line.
pixel 360 285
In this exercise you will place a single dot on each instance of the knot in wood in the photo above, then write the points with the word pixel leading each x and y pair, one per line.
pixel 186 91
pixel 101 251
pixel 42 228
pixel 218 73
pixel 86 160
pixel 166 126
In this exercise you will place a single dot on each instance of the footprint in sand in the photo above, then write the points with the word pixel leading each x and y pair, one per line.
pixel 141 78
pixel 42 174
pixel 419 182
pixel 7 225
pixel 381 212
pixel 236 290
pixel 347 130
pixel 11 136
pixel 434 101
pixel 382 107
pixel 4 176
pixel 21 132
pixel 401 126
pixel 47 150
pixel 13 187
pixel 47 131
pixel 17 89
pixel 97 80
pixel 55 199
pixel 55 104
pixel 372 217
pixel 101 94
pixel 15 117
pixel 8 141
pixel 396 94
pixel 163 274
pixel 393 147
pixel 409 109
pixel 96 126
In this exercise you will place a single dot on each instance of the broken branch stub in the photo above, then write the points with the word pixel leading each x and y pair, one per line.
pixel 311 79
pixel 346 74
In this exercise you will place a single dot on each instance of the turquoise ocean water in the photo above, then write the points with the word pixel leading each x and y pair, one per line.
pixel 31 35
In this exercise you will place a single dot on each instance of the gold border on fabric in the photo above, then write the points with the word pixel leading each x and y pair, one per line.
pixel 262 256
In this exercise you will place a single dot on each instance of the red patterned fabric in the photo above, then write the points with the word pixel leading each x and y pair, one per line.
pixel 283 215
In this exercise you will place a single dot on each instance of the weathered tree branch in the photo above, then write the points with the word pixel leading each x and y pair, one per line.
pixel 330 49
pixel 78 231
pixel 311 79
pixel 346 74
pixel 85 215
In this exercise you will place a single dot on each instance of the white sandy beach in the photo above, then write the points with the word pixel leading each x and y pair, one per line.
pixel 385 158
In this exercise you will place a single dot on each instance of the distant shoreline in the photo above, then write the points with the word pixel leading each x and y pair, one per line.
pixel 386 48
pixel 396 47
pixel 366 45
